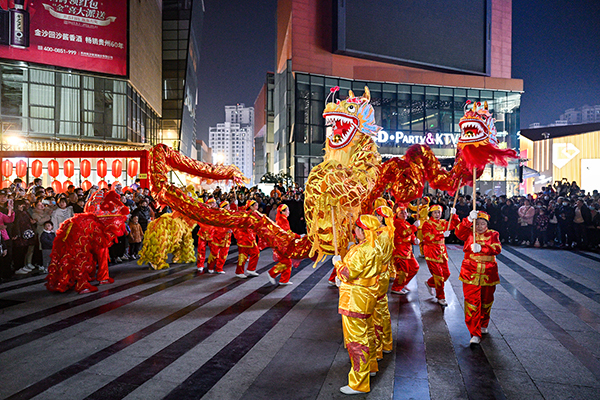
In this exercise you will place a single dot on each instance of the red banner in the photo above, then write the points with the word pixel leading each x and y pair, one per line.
pixel 89 35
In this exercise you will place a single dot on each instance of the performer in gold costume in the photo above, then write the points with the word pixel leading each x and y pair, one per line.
pixel 359 275
pixel 385 247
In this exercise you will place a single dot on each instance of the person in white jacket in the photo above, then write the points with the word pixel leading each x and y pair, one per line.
pixel 62 213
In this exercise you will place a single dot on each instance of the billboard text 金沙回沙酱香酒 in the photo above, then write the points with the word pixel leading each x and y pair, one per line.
pixel 89 35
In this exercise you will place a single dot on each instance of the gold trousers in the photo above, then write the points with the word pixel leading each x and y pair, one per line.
pixel 361 349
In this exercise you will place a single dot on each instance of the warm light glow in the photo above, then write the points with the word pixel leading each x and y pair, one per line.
pixel 219 158
pixel 15 141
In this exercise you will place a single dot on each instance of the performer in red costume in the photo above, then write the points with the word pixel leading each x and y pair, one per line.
pixel 405 263
pixel 435 230
pixel 204 238
pixel 479 271
pixel 219 246
pixel 284 264
pixel 247 246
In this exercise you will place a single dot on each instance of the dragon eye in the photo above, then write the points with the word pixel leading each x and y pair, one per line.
pixel 351 108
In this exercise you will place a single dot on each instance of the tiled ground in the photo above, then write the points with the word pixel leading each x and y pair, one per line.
pixel 176 334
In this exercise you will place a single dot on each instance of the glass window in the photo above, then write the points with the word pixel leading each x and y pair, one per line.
pixel 417 113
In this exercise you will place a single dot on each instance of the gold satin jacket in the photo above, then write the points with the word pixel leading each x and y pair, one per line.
pixel 359 272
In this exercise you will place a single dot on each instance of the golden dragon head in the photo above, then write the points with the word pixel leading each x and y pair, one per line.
pixel 477 126
pixel 350 120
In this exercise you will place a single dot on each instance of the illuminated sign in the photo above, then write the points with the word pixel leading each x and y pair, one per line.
pixel 563 153
pixel 88 35
pixel 400 138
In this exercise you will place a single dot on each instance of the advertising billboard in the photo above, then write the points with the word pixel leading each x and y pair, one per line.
pixel 88 35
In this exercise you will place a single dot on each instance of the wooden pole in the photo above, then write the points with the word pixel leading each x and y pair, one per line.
pixel 474 202
pixel 335 244
pixel 454 203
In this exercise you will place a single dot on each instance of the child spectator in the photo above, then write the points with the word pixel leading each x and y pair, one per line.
pixel 135 237
pixel 46 240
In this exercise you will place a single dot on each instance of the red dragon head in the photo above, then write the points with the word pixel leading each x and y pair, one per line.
pixel 477 143
pixel 477 126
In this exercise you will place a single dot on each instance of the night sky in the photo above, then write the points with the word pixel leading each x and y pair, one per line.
pixel 556 51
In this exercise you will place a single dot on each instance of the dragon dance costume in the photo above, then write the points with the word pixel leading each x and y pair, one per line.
pixel 284 263
pixel 435 250
pixel 247 246
pixel 381 317
pixel 478 273
pixel 359 275
pixel 405 263
pixel 219 246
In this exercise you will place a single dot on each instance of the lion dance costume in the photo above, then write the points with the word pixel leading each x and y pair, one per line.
pixel 82 242
pixel 169 233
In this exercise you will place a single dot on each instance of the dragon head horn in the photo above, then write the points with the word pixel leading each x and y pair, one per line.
pixel 474 108
pixel 350 94
pixel 485 105
pixel 367 94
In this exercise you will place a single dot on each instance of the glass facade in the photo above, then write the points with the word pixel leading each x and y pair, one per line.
pixel 408 114
pixel 42 104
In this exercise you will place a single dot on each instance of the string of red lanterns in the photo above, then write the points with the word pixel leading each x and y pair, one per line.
pixel 85 166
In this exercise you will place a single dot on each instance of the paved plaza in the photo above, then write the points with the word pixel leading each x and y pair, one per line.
pixel 175 334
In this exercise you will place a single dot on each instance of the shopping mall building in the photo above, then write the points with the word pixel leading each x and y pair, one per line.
pixel 99 81
pixel 421 63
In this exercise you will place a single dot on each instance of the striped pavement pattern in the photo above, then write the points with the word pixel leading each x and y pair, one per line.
pixel 178 334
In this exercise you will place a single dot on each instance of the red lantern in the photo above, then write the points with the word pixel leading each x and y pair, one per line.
pixel 101 168
pixel 117 168
pixel 21 168
pixel 69 168
pixel 36 168
pixel 66 184
pixel 53 168
pixel 102 184
pixel 57 186
pixel 86 168
pixel 6 184
pixel 86 185
pixel 132 168
pixel 7 168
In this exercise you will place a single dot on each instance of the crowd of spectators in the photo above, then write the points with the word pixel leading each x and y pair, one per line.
pixel 31 214
pixel 560 216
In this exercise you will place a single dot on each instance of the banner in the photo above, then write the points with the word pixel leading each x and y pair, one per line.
pixel 88 35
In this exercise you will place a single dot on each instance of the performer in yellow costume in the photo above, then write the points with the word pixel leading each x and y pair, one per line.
pixel 359 275
pixel 385 247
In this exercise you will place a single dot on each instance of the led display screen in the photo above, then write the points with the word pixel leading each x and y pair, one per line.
pixel 89 35
pixel 445 35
